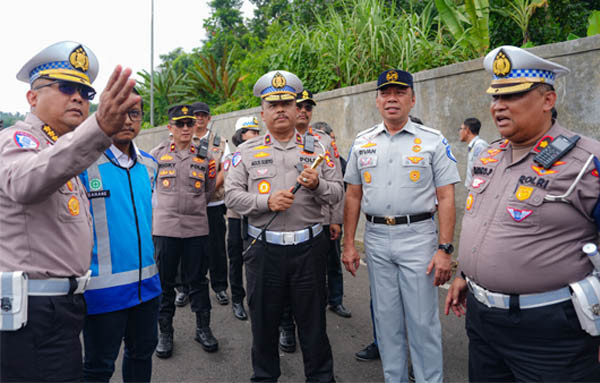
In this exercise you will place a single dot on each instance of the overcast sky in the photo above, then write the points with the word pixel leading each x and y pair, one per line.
pixel 117 31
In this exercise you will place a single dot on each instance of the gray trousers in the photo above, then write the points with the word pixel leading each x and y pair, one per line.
pixel 405 302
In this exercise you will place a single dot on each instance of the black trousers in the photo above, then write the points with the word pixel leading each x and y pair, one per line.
pixel 538 344
pixel 335 280
pixel 48 348
pixel 216 247
pixel 272 273
pixel 235 247
pixel 192 253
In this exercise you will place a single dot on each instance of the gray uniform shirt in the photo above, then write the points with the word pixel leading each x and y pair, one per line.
pixel 399 174
pixel 263 165
pixel 515 241
pixel 475 147
pixel 183 186
pixel 45 225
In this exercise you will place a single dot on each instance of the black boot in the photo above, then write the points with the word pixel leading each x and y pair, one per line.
pixel 287 340
pixel 204 335
pixel 164 349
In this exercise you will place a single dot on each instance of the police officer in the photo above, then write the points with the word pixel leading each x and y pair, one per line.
pixel 522 234
pixel 45 220
pixel 186 180
pixel 289 258
pixel 469 133
pixel 333 218
pixel 396 172
pixel 245 129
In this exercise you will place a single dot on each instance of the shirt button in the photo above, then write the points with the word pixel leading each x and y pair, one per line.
pixel 485 224
pixel 390 183
pixel 391 160
pixel 473 250
pixel 388 207
pixel 497 196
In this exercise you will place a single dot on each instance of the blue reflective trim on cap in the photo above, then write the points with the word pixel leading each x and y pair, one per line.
pixel 535 73
pixel 51 65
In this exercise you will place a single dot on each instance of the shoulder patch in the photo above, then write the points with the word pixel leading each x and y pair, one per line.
pixel 236 159
pixel 25 140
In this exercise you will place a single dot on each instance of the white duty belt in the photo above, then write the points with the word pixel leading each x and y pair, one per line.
pixel 526 301
pixel 286 238
pixel 58 286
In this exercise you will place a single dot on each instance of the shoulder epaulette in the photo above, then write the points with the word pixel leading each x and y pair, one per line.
pixel 362 133
pixel 497 140
pixel 428 129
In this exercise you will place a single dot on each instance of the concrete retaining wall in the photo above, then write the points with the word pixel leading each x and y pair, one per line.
pixel 445 97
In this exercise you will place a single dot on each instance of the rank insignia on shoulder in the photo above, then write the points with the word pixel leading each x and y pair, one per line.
pixel 469 203
pixel 541 171
pixel 25 140
pixel 518 215
pixel 487 160
pixel 595 173
pixel 477 182
pixel 504 143
pixel 298 138
pixel 543 143
pixel 236 159
pixel 523 192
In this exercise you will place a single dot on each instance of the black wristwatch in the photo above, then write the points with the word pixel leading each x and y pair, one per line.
pixel 447 247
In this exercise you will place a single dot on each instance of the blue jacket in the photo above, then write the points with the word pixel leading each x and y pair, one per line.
pixel 124 273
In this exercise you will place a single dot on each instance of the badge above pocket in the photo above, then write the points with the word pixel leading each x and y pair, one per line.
pixel 367 161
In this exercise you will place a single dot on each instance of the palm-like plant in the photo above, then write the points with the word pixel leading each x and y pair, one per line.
pixel 168 91
pixel 521 12
pixel 475 15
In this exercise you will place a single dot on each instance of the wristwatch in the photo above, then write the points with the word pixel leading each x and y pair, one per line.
pixel 447 247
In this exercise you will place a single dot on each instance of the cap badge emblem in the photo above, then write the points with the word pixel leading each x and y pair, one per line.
pixel 255 121
pixel 391 75
pixel 278 80
pixel 184 110
pixel 79 59
pixel 304 94
pixel 502 65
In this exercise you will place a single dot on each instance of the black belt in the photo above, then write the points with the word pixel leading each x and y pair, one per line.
pixel 402 220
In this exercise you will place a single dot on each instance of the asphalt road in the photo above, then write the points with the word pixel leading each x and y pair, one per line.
pixel 231 363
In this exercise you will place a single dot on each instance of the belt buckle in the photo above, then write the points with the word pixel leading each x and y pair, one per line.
pixel 390 220
pixel 288 238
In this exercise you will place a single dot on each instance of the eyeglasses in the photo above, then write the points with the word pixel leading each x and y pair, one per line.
pixel 308 107
pixel 189 123
pixel 201 114
pixel 135 115
pixel 70 88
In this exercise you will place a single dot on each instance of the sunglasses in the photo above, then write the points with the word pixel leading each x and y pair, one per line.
pixel 70 88
pixel 189 123
pixel 308 107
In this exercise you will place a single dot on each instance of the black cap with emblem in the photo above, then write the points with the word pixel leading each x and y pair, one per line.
pixel 394 77
pixel 305 96
pixel 179 112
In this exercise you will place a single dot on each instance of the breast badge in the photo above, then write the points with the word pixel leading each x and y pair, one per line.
pixel 541 171
pixel 166 183
pixel 493 152
pixel 487 160
pixel 477 182
pixel 367 177
pixel 523 192
pixel 70 186
pixel 418 141
pixel 415 175
pixel 73 206
pixel 261 155
pixel 414 160
pixel 166 157
pixel 369 145
pixel 212 169
pixel 95 184
pixel 197 184
pixel 469 203
pixel 197 159
pixel 416 148
pixel 264 187
pixel 518 215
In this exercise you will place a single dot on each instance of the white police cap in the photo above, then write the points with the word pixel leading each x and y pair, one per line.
pixel 248 122
pixel 66 60
pixel 516 70
pixel 278 85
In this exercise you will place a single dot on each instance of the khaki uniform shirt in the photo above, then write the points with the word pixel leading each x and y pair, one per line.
pixel 399 174
pixel 184 185
pixel 515 241
pixel 263 165
pixel 217 153
pixel 45 225
pixel 331 213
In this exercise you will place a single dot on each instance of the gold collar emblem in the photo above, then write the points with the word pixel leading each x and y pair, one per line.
pixel 278 80
pixel 79 59
pixel 502 64
pixel 392 75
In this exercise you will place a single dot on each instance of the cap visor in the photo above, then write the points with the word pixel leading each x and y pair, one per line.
pixel 392 83
pixel 279 97
pixel 298 101
pixel 509 88
pixel 183 117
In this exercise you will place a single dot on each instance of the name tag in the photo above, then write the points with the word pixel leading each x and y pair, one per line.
pixel 98 194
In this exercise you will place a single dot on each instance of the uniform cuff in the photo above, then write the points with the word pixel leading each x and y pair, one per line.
pixel 262 202
pixel 322 188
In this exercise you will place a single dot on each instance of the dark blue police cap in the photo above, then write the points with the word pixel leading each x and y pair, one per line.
pixel 394 77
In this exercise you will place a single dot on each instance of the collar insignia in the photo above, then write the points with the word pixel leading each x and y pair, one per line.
pixel 50 133
pixel 502 64
pixel 545 141
pixel 298 138
pixel 268 140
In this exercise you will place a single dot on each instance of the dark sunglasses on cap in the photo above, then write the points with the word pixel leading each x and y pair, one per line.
pixel 70 88
pixel 187 122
